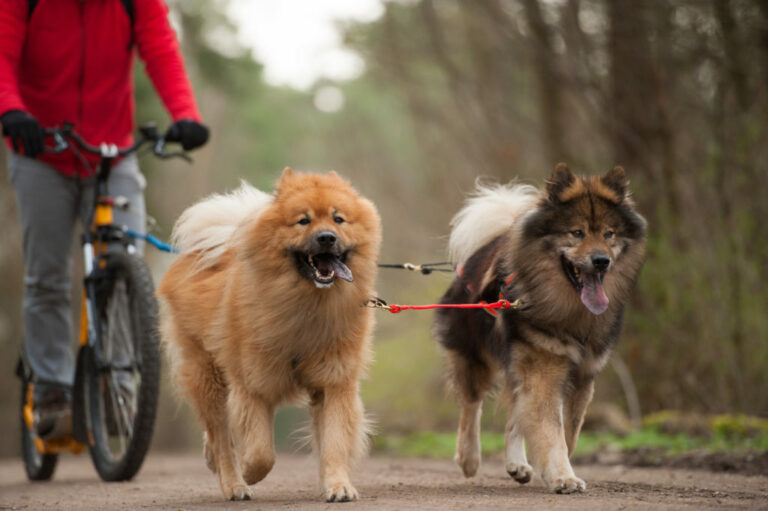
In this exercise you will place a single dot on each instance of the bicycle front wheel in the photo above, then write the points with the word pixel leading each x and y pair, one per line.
pixel 123 368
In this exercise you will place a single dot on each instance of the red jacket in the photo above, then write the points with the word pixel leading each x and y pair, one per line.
pixel 73 61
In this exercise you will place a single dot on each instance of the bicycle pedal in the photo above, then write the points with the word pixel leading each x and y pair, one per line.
pixel 59 445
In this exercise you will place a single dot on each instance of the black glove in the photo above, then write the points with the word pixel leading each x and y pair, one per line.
pixel 24 131
pixel 190 133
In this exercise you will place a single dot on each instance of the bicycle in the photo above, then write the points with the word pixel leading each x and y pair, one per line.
pixel 117 373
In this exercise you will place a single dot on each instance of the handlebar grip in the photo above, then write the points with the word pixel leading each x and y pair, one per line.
pixel 149 131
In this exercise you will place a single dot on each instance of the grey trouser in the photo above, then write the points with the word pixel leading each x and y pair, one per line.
pixel 49 206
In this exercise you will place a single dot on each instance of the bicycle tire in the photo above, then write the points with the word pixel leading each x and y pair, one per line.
pixel 39 467
pixel 127 278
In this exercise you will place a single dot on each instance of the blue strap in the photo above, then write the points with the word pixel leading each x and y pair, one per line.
pixel 165 247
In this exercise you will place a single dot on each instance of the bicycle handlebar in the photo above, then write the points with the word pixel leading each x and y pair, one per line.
pixel 64 136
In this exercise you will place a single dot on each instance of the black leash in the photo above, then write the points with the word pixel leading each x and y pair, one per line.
pixel 424 268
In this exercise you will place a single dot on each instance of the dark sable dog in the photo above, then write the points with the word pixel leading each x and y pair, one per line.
pixel 571 254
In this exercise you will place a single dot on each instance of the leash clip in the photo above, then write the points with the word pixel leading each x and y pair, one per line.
pixel 412 267
pixel 377 303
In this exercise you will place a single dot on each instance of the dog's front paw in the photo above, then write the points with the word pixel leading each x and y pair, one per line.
pixel 342 492
pixel 468 461
pixel 568 485
pixel 256 470
pixel 520 472
pixel 237 492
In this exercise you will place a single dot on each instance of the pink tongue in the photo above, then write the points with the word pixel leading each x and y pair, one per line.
pixel 593 295
pixel 342 271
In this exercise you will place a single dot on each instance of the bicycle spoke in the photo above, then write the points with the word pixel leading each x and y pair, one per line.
pixel 116 416
pixel 119 354
pixel 125 416
pixel 120 328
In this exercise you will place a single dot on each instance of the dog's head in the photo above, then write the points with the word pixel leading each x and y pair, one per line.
pixel 589 224
pixel 321 226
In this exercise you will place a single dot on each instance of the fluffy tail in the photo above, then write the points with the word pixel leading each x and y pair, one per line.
pixel 207 226
pixel 487 213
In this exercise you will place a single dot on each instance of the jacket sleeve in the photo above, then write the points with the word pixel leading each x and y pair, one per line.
pixel 13 30
pixel 159 49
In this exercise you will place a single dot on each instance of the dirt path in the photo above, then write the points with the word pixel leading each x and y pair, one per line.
pixel 181 482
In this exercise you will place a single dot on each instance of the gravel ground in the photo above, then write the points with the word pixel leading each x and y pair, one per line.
pixel 181 482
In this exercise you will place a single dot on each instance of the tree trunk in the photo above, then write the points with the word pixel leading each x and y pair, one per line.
pixel 549 82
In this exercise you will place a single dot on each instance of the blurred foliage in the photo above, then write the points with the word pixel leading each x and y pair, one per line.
pixel 722 425
pixel 507 88
pixel 733 433
pixel 673 90
pixel 432 445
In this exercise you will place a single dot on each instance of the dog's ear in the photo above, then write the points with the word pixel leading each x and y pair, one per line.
pixel 616 180
pixel 562 178
pixel 287 175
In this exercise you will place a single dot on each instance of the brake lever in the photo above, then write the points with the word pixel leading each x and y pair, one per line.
pixel 60 142
pixel 159 151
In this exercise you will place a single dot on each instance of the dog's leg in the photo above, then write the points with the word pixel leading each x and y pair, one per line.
pixel 252 421
pixel 514 443
pixel 337 415
pixel 581 396
pixel 218 447
pixel 218 442
pixel 195 373
pixel 221 443
pixel 514 448
pixel 471 380
pixel 538 410
pixel 468 446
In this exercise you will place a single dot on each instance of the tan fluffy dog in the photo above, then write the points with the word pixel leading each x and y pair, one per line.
pixel 254 315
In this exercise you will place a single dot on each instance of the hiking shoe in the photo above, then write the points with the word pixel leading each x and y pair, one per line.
pixel 53 411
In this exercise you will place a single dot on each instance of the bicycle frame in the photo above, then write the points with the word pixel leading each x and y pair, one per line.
pixel 99 233
pixel 95 240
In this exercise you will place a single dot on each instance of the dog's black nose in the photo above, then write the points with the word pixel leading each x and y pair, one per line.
pixel 600 261
pixel 326 238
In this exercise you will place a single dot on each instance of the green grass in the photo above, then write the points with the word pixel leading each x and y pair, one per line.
pixel 670 444
pixel 431 445
pixel 723 438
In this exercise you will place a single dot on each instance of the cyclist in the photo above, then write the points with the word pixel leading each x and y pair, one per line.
pixel 71 61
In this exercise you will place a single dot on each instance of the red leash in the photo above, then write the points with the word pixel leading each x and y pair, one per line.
pixel 378 303
pixel 502 303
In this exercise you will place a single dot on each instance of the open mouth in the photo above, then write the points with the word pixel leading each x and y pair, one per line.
pixel 589 285
pixel 325 268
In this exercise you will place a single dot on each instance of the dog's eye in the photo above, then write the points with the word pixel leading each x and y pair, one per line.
pixel 304 221
pixel 608 234
pixel 578 233
pixel 338 219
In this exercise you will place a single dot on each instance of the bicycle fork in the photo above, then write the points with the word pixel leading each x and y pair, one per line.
pixel 90 345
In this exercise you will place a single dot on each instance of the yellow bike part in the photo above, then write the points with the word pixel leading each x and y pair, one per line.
pixel 53 446
pixel 103 214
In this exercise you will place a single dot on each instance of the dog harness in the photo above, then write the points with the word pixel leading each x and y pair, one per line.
pixel 471 288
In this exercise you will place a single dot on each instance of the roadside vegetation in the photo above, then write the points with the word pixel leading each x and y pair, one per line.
pixel 663 435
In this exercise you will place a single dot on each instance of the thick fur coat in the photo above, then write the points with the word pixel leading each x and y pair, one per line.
pixel 263 307
pixel 570 253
